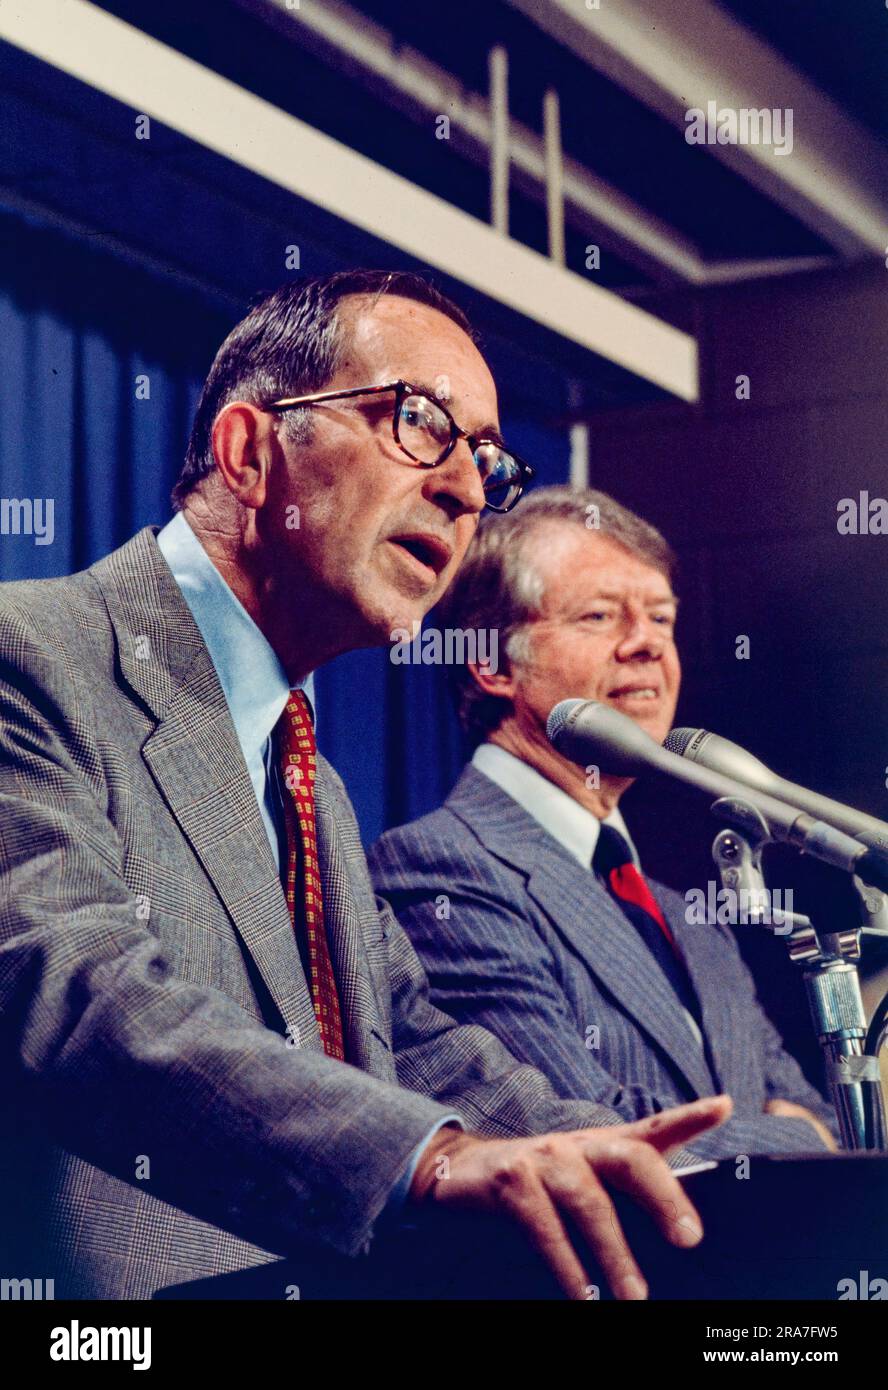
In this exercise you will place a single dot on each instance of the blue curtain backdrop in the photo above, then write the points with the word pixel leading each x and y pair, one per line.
pixel 79 329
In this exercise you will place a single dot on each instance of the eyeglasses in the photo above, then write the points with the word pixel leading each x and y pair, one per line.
pixel 427 433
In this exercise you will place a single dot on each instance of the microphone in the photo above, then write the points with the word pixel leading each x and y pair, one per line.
pixel 585 731
pixel 720 755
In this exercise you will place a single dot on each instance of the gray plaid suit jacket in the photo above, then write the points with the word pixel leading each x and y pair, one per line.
pixel 532 947
pixel 168 1112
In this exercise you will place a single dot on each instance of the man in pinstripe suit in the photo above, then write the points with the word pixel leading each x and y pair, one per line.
pixel 195 1080
pixel 503 892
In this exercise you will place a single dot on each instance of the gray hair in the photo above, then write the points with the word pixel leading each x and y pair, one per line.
pixel 499 580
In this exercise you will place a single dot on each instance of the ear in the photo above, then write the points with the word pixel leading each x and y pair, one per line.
pixel 243 444
pixel 500 683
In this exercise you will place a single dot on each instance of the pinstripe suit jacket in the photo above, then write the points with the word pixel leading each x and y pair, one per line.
pixel 168 1112
pixel 530 945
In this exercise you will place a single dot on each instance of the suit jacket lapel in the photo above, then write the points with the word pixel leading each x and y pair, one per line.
pixel 725 1019
pixel 194 758
pixel 586 916
pixel 360 1012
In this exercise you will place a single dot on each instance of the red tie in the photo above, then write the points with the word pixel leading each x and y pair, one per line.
pixel 298 753
pixel 627 884
pixel 613 861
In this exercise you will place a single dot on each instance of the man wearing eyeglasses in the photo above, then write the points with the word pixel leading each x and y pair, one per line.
pixel 222 1046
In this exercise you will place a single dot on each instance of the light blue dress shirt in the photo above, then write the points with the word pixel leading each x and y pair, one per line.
pixel 253 680
pixel 256 688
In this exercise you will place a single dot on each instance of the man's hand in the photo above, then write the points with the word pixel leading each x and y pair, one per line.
pixel 539 1180
pixel 790 1110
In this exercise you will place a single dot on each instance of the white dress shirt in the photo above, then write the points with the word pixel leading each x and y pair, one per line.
pixel 565 819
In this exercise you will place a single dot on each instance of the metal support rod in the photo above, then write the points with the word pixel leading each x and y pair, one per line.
pixel 579 455
pixel 498 65
pixel 833 991
pixel 554 175
pixel 832 985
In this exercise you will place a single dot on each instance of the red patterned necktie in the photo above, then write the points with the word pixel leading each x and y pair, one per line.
pixel 298 753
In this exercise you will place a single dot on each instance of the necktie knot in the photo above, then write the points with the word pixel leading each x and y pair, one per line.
pixel 611 851
pixel 296 733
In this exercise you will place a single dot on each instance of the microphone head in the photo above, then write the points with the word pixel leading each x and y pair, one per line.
pixel 677 740
pixel 721 755
pixel 590 733
pixel 558 717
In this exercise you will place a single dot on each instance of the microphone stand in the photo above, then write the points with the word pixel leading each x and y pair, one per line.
pixel 828 960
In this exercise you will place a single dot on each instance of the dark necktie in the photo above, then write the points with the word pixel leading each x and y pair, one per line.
pixel 612 861
pixel 298 754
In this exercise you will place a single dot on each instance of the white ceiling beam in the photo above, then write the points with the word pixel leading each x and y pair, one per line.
pixel 151 78
pixel 675 55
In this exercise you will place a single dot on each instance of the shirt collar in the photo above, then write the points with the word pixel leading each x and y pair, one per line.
pixel 249 670
pixel 571 824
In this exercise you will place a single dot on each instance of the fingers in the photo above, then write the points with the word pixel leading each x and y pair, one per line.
pixel 595 1216
pixel 639 1171
pixel 821 1129
pixel 543 1181
pixel 792 1111
pixel 672 1128
pixel 576 1191
pixel 534 1210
